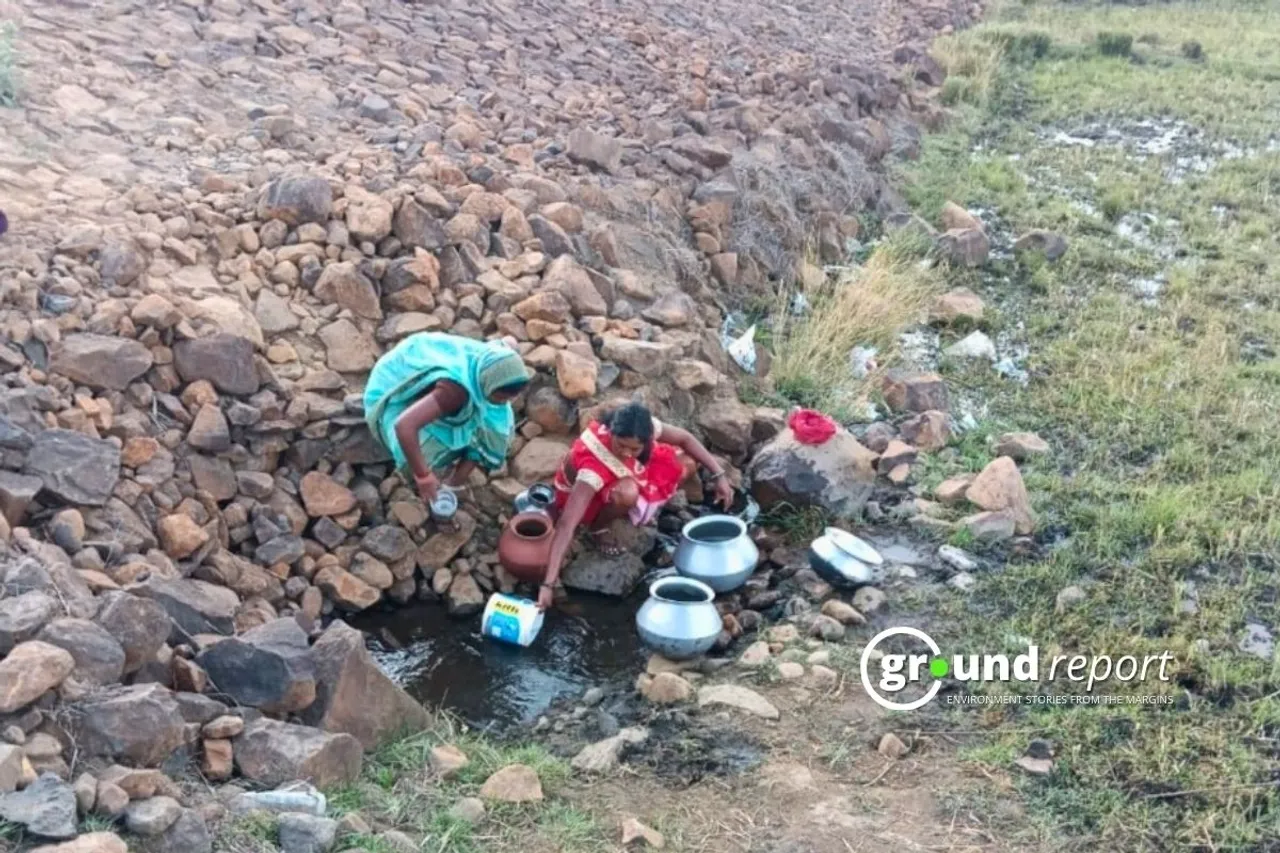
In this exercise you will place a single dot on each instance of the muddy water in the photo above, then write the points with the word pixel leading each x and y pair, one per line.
pixel 589 641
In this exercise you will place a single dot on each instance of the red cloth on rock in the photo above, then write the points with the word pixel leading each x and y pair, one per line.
pixel 811 427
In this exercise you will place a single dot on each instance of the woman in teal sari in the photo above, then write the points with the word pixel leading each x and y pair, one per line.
pixel 442 403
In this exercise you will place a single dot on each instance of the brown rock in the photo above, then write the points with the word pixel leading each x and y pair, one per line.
pixel 1050 244
pixel 928 431
pixel 952 491
pixel 155 311
pixel 567 277
pixel 910 391
pixel 838 475
pixel 438 551
pixel 537 460
pixel 895 454
pixel 296 200
pixel 345 589
pixel 349 350
pixel 210 431
pixel 724 267
pixel 845 614
pixel 368 215
pixel 92 842
pixel 576 375
pixel 515 783
pixel 547 408
pixel 1021 446
pixel 998 526
pixel 29 671
pixel 272 753
pixel 644 357
pixel 967 247
pixel 891 746
pixel 216 760
pixel 446 760
pixel 464 598
pixel 667 688
pixel 110 800
pixel 635 834
pixel 343 284
pixel 690 375
pixel 222 728
pixel 1000 487
pixel 180 536
pixel 353 695
pixel 955 216
pixel 551 306
pixel 959 304
pixel 322 495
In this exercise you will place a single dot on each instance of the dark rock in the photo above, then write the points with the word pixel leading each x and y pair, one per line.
pixel 225 360
pixel 74 467
pixel 268 667
pixel 354 696
pixel 189 834
pixel 1048 243
pixel 296 201
pixel 594 572
pixel 281 549
pixel 415 226
pixel 99 658
pixel 196 607
pixel 121 264
pixel 838 475
pixel 139 725
pixel 304 833
pixel 388 543
pixel 139 625
pixel 17 491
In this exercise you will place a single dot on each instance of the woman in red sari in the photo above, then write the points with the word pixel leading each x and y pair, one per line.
pixel 626 465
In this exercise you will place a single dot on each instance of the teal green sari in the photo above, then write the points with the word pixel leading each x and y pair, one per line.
pixel 480 432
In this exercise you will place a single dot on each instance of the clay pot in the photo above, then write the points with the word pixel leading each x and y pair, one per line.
pixel 525 546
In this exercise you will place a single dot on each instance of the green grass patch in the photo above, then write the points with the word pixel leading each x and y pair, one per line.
pixel 1161 410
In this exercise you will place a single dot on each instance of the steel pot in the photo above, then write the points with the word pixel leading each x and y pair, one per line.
pixel 717 551
pixel 843 560
pixel 537 498
pixel 679 620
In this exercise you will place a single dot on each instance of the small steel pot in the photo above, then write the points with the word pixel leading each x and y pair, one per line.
pixel 679 620
pixel 537 498
pixel 843 560
pixel 717 551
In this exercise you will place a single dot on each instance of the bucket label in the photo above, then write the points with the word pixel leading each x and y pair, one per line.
pixel 503 624
pixel 507 607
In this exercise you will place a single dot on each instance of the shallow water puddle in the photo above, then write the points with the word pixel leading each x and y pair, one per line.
pixel 446 663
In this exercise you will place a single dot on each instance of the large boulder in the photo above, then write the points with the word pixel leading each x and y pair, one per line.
pixel 271 753
pixel 837 475
pixel 225 360
pixel 727 424
pixel 99 659
pixel 268 667
pixel 139 625
pixel 196 607
pixel 139 725
pixel 74 467
pixel 537 461
pixel 594 572
pixel 354 696
pixel 104 362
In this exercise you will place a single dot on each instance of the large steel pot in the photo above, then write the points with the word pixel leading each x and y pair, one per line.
pixel 679 620
pixel 717 551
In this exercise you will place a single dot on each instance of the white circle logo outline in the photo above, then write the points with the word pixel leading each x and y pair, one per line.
pixel 866 680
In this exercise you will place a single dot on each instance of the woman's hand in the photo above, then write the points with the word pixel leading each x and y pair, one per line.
pixel 724 491
pixel 546 596
pixel 428 485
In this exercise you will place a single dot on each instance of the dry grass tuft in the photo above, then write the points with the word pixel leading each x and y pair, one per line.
pixel 972 62
pixel 866 306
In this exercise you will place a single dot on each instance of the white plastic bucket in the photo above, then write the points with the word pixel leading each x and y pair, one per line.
pixel 511 619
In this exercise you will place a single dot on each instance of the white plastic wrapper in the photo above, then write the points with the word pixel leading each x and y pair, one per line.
pixel 862 360
pixel 743 350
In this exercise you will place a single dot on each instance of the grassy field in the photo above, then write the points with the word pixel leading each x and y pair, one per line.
pixel 1148 136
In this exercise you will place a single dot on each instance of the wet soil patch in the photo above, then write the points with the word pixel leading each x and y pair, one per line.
pixel 683 750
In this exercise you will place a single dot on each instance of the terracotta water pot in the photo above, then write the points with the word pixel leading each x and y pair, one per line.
pixel 525 546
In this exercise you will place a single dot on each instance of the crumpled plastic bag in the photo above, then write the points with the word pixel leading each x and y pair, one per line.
pixel 743 350
pixel 862 360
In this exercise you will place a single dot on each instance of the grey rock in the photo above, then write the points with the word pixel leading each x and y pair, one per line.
pixel 838 475
pixel 189 834
pixel 303 833
pixel 269 667
pixel 139 725
pixel 100 361
pixel 22 617
pixel 225 360
pixel 297 200
pixel 46 807
pixel 1258 641
pixel 152 816
pixel 17 491
pixel 388 543
pixel 196 607
pixel 99 658
pixel 74 467
pixel 139 625
pixel 594 572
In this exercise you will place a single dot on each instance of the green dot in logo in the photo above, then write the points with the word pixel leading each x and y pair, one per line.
pixel 939 667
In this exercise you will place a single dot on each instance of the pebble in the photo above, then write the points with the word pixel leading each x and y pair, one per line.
pixel 957 558
pixel 789 670
pixel 962 581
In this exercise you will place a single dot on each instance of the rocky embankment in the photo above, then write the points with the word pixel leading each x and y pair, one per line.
pixel 191 297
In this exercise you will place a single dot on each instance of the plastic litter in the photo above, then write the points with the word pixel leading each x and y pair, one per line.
pixel 862 360
pixel 811 427
pixel 743 350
